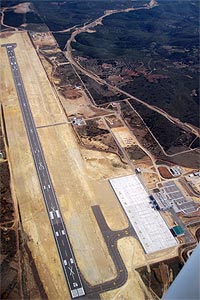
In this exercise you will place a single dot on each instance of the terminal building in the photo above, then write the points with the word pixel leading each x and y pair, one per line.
pixel 149 225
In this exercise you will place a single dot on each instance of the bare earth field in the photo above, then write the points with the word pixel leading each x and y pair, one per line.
pixel 79 174
pixel 75 196
pixel 74 189
pixel 28 193
pixel 132 254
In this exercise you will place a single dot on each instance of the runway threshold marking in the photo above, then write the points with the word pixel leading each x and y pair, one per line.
pixel 63 245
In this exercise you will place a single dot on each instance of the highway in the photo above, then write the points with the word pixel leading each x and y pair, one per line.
pixel 58 227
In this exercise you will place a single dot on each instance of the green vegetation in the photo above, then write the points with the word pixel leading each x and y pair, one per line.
pixel 172 94
pixel 100 93
pixel 166 133
pixel 170 136
pixel 13 19
pixel 135 152
pixel 60 15
pixel 62 38
pixel 164 42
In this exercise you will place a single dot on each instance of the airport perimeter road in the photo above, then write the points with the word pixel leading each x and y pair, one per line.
pixel 58 227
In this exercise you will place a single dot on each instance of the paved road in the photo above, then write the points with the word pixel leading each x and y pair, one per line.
pixel 184 182
pixel 58 227
pixel 192 222
pixel 111 237
pixel 188 236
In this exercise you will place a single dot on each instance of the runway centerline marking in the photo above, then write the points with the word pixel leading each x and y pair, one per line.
pixel 45 181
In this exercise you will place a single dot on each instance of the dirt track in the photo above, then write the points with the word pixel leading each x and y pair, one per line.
pixel 69 55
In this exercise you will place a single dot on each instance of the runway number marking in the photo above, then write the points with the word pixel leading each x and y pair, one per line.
pixel 41 167
pixel 58 227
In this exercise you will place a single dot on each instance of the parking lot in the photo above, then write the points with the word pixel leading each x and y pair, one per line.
pixel 149 225
pixel 179 202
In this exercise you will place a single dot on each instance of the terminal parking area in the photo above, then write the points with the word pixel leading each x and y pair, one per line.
pixel 178 201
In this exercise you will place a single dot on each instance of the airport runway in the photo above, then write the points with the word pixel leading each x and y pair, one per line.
pixel 58 227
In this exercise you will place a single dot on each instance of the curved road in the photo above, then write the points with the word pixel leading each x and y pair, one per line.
pixel 111 237
pixel 186 126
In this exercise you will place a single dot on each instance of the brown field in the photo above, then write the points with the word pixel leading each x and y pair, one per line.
pixel 129 143
pixel 75 102
pixel 80 178
pixel 75 196
pixel 22 8
pixel 168 218
pixel 164 172
pixel 124 137
pixel 150 178
pixel 74 189
pixel 134 288
pixel 43 39
pixel 31 204
pixel 44 104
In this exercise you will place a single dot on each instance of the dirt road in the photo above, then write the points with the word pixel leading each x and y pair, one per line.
pixel 187 127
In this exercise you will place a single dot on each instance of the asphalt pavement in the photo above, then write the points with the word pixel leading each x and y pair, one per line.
pixel 64 248
pixel 187 235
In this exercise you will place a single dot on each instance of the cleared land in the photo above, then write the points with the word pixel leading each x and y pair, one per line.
pixel 27 189
pixel 74 194
pixel 76 191
pixel 80 178
pixel 134 289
